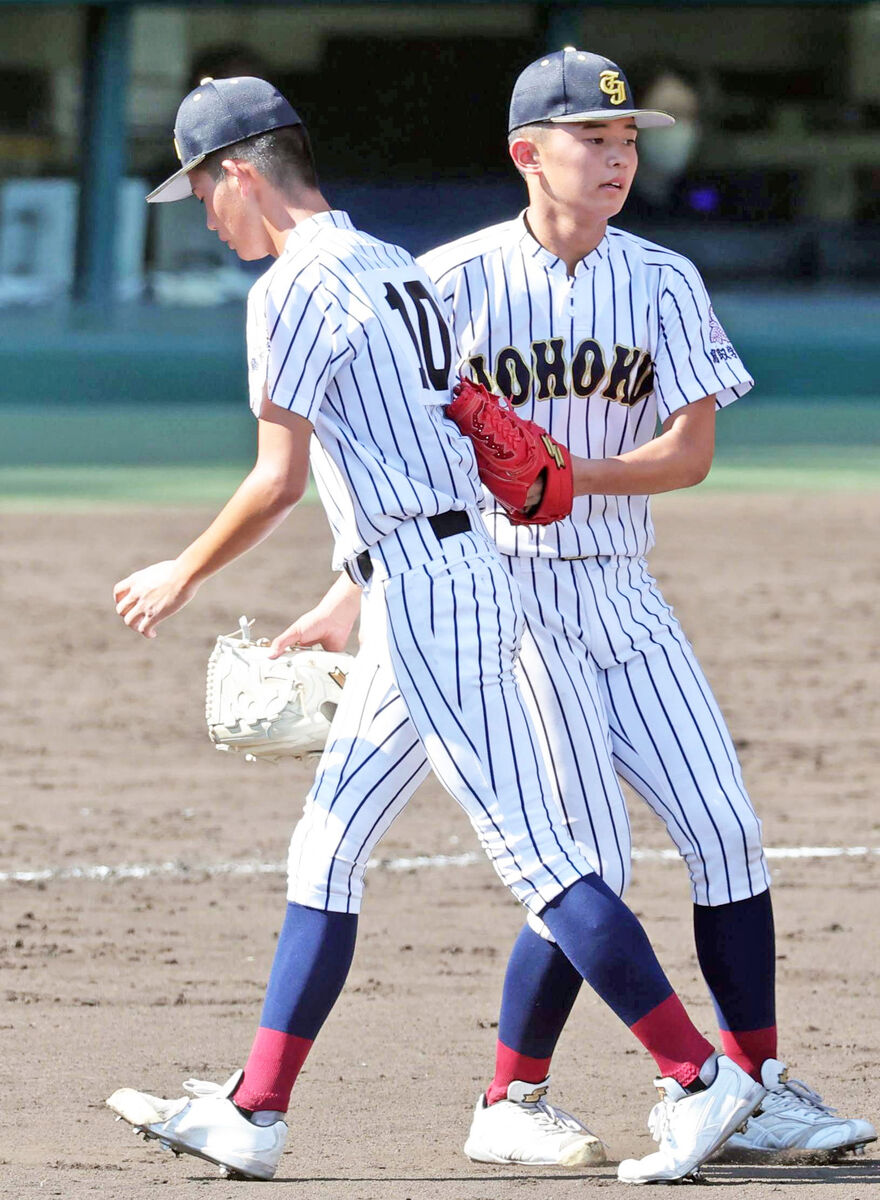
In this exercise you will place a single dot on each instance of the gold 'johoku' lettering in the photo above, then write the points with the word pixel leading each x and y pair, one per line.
pixel 628 378
pixel 613 86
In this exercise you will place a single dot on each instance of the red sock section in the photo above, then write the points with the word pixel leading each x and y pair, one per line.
pixel 676 1045
pixel 750 1048
pixel 509 1066
pixel 274 1062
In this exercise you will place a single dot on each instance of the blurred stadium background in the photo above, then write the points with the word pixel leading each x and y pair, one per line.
pixel 121 330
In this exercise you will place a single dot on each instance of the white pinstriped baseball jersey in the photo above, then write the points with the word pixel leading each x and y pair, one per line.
pixel 346 331
pixel 349 333
pixel 600 358
pixel 596 358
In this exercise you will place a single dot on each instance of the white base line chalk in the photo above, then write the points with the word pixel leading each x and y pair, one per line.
pixel 180 870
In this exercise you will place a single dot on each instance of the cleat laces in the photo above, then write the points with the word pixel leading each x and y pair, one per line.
pixel 660 1123
pixel 658 1120
pixel 794 1093
pixel 548 1117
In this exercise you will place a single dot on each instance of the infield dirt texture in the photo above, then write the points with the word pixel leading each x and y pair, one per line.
pixel 145 981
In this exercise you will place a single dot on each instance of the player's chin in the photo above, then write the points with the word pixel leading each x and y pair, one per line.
pixel 612 199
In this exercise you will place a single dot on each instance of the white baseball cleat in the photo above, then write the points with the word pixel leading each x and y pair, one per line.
pixel 524 1128
pixel 206 1124
pixel 793 1117
pixel 691 1126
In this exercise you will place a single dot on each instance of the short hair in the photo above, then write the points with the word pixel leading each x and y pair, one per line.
pixel 282 156
pixel 534 131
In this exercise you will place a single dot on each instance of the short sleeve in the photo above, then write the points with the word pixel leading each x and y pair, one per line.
pixel 694 357
pixel 257 344
pixel 304 347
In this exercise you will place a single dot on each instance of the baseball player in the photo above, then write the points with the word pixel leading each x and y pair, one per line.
pixel 598 336
pixel 349 362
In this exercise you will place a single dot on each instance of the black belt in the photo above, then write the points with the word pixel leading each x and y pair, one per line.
pixel 445 525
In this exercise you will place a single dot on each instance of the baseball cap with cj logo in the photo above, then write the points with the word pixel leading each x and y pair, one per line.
pixel 573 85
pixel 218 113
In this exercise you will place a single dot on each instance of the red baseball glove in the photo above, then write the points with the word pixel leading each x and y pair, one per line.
pixel 512 454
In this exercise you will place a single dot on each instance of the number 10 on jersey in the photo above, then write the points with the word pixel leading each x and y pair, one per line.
pixel 419 300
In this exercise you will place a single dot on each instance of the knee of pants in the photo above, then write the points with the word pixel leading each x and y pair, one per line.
pixel 729 864
pixel 611 860
pixel 321 871
pixel 615 874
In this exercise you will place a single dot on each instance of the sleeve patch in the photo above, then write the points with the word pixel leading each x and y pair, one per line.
pixel 716 331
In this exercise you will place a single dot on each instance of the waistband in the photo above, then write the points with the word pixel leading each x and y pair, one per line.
pixel 411 543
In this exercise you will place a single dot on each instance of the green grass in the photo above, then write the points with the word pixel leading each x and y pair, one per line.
pixel 793 468
pixel 87 457
pixel 86 487
pixel 796 468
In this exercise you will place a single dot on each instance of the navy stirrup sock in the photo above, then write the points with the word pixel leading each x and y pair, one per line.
pixel 540 988
pixel 736 949
pixel 604 940
pixel 312 961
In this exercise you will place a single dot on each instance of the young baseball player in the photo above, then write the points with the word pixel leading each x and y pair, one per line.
pixel 598 336
pixel 349 362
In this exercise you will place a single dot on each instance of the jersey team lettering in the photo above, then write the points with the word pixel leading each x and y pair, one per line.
pixel 598 358
pixel 629 380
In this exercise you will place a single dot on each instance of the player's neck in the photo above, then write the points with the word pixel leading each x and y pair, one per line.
pixel 567 236
pixel 281 214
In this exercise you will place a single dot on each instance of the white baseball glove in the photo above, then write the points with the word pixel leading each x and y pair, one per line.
pixel 271 708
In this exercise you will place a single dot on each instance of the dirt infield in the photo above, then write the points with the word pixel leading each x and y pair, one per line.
pixel 146 980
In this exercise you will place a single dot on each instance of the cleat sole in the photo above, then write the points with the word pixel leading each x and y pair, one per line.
pixel 179 1148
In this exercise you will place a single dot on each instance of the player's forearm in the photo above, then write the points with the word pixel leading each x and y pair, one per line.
pixel 258 506
pixel 662 465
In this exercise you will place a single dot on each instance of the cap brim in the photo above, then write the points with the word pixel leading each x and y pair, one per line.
pixel 176 186
pixel 645 118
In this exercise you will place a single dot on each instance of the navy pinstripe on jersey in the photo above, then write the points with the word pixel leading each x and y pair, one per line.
pixel 596 358
pixel 348 332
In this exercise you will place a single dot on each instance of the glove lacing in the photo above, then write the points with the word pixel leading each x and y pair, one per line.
pixel 491 422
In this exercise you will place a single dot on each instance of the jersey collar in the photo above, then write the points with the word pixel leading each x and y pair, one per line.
pixel 532 248
pixel 312 226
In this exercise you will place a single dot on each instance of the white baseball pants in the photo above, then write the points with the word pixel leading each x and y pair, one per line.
pixel 599 627
pixel 433 685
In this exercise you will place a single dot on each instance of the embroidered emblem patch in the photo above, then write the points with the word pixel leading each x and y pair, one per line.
pixel 612 85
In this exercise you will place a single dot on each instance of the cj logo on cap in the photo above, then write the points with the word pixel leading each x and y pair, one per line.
pixel 612 85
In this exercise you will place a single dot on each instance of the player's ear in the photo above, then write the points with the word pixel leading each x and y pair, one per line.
pixel 241 171
pixel 526 155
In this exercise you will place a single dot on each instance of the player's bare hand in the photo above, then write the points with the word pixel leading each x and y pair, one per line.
pixel 330 622
pixel 536 491
pixel 148 596
pixel 311 628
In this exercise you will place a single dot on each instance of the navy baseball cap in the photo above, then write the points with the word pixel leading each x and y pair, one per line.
pixel 573 85
pixel 218 113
